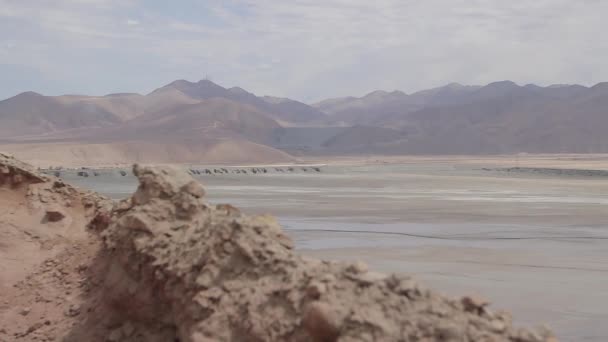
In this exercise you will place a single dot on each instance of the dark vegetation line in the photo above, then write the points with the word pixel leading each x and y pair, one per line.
pixel 448 237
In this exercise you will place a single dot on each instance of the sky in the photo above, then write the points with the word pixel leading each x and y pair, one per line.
pixel 303 49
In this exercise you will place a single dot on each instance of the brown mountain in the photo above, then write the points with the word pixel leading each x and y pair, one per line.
pixel 33 114
pixel 194 127
pixel 282 109
pixel 375 106
pixel 204 122
pixel 500 117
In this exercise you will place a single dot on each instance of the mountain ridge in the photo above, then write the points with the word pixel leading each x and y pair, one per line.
pixel 500 117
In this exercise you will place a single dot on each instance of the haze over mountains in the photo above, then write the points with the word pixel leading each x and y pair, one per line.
pixel 204 122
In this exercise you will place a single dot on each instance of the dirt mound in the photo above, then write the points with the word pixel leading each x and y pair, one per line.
pixel 41 220
pixel 174 268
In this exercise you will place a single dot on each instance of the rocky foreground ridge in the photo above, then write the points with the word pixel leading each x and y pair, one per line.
pixel 164 265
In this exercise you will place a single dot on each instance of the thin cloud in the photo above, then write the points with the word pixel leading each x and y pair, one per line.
pixel 307 49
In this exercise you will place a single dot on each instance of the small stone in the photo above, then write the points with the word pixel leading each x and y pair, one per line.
pixel 33 328
pixel 115 335
pixel 194 188
pixel 25 311
pixel 328 278
pixel 128 329
pixel 367 278
pixel 405 287
pixel 450 332
pixel 73 310
pixel 357 267
pixel 229 209
pixel 474 304
pixel 320 324
pixel 315 290
pixel 228 247
pixel 54 215
pixel 498 325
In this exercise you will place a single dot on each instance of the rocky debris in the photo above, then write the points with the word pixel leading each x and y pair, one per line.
pixel 179 269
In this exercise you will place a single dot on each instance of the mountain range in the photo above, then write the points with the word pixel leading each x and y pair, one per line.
pixel 189 122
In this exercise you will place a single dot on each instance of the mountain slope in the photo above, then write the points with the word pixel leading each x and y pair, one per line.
pixel 32 114
pixel 506 118
pixel 185 121
pixel 285 110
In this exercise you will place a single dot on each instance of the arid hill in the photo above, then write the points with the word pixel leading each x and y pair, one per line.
pixel 500 117
pixel 182 122
pixel 188 122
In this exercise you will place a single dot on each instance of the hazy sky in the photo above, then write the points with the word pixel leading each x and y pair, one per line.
pixel 304 49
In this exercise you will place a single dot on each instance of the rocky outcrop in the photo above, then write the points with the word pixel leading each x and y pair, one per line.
pixel 181 269
pixel 15 173
pixel 164 265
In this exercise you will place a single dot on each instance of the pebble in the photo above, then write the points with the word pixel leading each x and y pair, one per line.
pixel 320 324
pixel 73 310
pixel 115 335
pixel 315 290
pixel 357 267
pixel 128 329
pixel 474 304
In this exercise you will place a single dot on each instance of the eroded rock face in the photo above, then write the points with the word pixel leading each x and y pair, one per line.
pixel 43 242
pixel 180 268
pixel 14 173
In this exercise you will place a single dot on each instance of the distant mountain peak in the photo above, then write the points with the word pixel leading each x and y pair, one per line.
pixel 239 90
pixel 179 83
pixel 26 96
pixel 206 82
pixel 454 85
pixel 601 85
pixel 29 94
pixel 377 93
pixel 503 84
